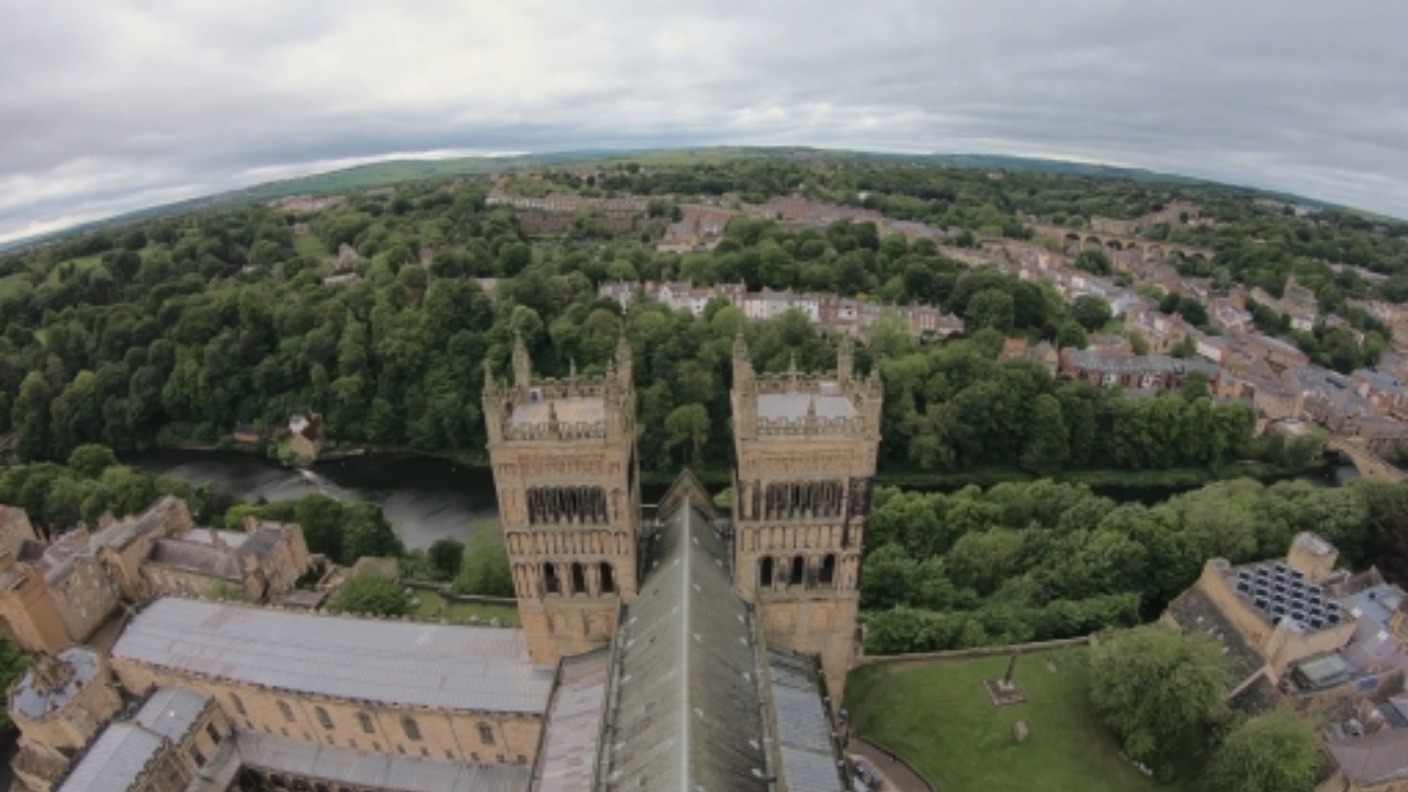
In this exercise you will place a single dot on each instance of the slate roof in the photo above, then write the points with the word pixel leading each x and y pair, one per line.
pixel 1373 758
pixel 1195 613
pixel 115 760
pixel 365 770
pixel 686 714
pixel 196 557
pixel 399 663
pixel 172 712
pixel 804 731
pixel 571 739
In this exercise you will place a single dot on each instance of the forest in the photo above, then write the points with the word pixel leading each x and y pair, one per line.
pixel 174 331
pixel 1040 560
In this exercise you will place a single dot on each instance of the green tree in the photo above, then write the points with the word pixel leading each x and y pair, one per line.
pixel 29 415
pixel 1275 752
pixel 90 460
pixel 446 556
pixel 1049 445
pixel 1158 690
pixel 367 533
pixel 371 594
pixel 13 663
pixel 990 308
pixel 1092 312
pixel 688 425
pixel 485 570
pixel 321 519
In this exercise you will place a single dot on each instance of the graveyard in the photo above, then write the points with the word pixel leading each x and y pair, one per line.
pixel 941 717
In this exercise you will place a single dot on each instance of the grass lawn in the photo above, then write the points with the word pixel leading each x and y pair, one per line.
pixel 310 246
pixel 939 717
pixel 433 607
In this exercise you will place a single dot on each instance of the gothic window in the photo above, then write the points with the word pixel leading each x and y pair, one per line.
pixel 486 734
pixel 324 719
pixel 550 582
pixel 213 732
pixel 239 705
pixel 365 719
pixel 412 729
pixel 799 571
pixel 828 570
pixel 765 572
pixel 286 710
pixel 608 579
pixel 579 579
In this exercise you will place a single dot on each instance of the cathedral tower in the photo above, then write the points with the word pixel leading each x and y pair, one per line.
pixel 806 447
pixel 565 468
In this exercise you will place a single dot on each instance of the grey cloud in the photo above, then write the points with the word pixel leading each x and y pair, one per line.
pixel 109 106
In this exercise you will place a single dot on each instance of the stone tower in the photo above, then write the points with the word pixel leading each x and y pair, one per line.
pixel 806 447
pixel 565 468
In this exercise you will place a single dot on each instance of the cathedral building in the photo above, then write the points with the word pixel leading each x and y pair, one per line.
pixel 691 651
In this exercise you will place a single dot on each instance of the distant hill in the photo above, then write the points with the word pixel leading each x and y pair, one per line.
pixel 391 172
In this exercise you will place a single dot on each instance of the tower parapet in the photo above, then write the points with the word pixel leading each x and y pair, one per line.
pixel 565 469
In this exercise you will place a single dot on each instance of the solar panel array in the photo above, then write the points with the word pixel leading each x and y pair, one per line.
pixel 1280 592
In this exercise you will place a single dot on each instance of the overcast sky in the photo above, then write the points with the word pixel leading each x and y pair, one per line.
pixel 114 105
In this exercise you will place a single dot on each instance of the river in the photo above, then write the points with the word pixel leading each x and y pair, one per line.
pixel 423 498
pixel 427 498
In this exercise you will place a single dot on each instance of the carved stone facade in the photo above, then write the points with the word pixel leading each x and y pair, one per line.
pixel 565 468
pixel 806 449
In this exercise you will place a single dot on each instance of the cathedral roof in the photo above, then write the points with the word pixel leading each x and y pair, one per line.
pixel 686 711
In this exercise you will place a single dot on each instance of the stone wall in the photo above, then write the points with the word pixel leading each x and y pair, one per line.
pixel 361 725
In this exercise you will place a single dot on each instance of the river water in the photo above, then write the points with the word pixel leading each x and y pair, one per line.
pixel 423 498
pixel 426 498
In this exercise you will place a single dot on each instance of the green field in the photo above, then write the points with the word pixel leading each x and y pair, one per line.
pixel 433 607
pixel 939 718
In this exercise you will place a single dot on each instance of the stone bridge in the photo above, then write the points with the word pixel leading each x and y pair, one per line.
pixel 1151 250
pixel 1369 465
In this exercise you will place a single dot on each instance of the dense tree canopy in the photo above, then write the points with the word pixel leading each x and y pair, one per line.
pixel 1158 691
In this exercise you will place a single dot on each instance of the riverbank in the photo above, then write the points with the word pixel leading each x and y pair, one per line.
pixel 476 466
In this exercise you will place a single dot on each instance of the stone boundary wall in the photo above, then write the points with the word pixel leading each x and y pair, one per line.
pixel 981 651
pixel 447 592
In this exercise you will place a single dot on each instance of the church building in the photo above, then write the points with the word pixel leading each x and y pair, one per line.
pixel 697 650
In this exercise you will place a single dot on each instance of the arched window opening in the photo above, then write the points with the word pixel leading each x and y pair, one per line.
pixel 365 719
pixel 550 582
pixel 486 734
pixel 765 572
pixel 324 719
pixel 286 710
pixel 608 579
pixel 828 570
pixel 239 705
pixel 579 579
pixel 412 729
pixel 799 571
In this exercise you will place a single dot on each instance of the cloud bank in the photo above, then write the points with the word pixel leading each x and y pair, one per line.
pixel 108 107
